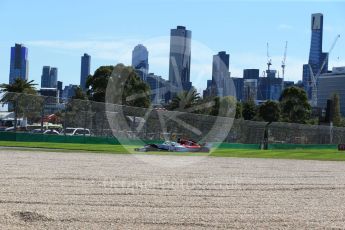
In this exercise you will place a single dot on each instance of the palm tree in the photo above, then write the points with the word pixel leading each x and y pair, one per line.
pixel 12 93
pixel 185 100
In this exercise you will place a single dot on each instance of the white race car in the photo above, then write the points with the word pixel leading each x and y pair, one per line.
pixel 180 146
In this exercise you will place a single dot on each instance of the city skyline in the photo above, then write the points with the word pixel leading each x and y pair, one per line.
pixel 114 46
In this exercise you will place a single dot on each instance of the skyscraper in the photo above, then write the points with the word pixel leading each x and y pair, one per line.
pixel 179 61
pixel 157 85
pixel 84 70
pixel 270 87
pixel 332 82
pixel 59 88
pixel 208 91
pixel 220 73
pixel 250 89
pixel 45 77
pixel 19 67
pixel 238 84
pixel 49 77
pixel 69 91
pixel 140 60
pixel 251 74
pixel 316 56
pixel 53 77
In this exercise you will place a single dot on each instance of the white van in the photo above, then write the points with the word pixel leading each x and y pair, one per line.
pixel 76 132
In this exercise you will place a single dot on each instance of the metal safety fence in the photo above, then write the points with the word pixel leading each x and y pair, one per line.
pixel 39 114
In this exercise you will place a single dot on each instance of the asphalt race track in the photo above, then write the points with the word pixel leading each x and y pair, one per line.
pixel 40 190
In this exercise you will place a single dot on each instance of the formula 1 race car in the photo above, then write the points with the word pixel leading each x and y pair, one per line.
pixel 181 145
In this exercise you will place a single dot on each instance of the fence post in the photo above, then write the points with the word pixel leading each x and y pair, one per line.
pixel 42 114
pixel 85 119
pixel 15 114
pixel 331 132
pixel 265 141
pixel 65 120
pixel 102 127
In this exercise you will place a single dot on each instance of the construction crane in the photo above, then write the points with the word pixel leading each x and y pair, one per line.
pixel 269 61
pixel 314 78
pixel 283 61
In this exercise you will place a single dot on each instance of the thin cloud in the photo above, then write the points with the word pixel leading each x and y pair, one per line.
pixel 102 49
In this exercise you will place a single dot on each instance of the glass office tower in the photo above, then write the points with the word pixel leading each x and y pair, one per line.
pixel 316 56
pixel 19 65
pixel 140 61
pixel 179 61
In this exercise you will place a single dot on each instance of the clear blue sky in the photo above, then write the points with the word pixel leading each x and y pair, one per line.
pixel 57 33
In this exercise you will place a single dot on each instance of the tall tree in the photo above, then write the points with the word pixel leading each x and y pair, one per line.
pixel 337 120
pixel 97 83
pixel 119 85
pixel 239 110
pixel 15 94
pixel 294 104
pixel 270 111
pixel 77 113
pixel 228 105
pixel 249 110
pixel 125 87
pixel 79 94
pixel 77 109
pixel 215 108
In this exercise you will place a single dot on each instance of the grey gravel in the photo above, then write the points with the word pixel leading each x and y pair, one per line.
pixel 56 190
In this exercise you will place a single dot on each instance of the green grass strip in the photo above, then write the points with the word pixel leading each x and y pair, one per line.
pixel 300 154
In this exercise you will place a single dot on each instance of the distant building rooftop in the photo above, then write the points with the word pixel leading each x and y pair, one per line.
pixel 335 71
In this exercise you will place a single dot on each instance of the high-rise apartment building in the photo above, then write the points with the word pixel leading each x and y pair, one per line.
pixel 84 70
pixel 221 74
pixel 19 65
pixel 49 77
